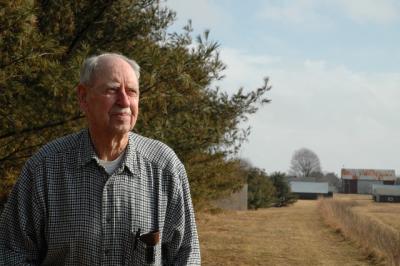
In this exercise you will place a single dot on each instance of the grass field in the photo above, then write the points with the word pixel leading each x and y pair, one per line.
pixel 374 226
pixel 294 235
pixel 388 213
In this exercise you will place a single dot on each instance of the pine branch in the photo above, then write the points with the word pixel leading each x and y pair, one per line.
pixel 41 127
pixel 22 58
pixel 83 32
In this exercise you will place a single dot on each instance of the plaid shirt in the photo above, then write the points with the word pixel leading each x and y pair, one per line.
pixel 66 210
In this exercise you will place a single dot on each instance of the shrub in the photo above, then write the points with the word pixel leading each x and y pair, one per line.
pixel 261 191
pixel 283 194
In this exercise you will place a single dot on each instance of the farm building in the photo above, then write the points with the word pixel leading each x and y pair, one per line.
pixel 386 193
pixel 334 182
pixel 360 181
pixel 310 190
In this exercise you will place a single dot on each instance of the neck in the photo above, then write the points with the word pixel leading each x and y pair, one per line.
pixel 109 147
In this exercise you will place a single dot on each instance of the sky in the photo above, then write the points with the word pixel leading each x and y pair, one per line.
pixel 334 67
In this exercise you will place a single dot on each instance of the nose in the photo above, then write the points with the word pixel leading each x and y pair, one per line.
pixel 122 98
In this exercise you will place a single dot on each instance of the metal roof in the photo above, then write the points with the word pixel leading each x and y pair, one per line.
pixel 309 187
pixel 368 174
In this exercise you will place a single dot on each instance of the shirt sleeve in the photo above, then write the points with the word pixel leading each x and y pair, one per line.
pixel 21 224
pixel 182 246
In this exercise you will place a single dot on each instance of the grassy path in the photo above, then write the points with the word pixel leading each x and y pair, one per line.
pixel 277 236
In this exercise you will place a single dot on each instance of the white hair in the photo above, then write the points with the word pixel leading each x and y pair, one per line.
pixel 91 63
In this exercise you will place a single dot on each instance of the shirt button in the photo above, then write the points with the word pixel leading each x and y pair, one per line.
pixel 108 218
pixel 107 251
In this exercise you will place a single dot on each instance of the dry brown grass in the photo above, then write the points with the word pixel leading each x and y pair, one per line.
pixel 374 226
pixel 294 235
pixel 388 213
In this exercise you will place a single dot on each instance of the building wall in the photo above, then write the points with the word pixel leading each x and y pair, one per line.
pixel 309 187
pixel 236 201
pixel 365 186
pixel 349 186
pixel 359 186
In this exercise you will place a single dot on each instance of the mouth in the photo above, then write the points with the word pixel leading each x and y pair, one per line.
pixel 121 114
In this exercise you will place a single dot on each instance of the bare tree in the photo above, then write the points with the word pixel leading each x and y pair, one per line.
pixel 304 163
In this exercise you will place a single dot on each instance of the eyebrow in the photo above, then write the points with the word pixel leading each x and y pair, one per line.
pixel 112 84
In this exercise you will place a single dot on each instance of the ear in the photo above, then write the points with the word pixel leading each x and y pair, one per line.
pixel 82 95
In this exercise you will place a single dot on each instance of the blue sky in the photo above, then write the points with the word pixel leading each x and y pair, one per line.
pixel 335 70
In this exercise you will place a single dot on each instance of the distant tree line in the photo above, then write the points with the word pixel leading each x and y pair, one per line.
pixel 42 46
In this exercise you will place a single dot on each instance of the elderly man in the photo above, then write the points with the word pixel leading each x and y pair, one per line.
pixel 104 195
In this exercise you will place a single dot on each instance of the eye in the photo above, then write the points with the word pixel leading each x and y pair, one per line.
pixel 131 91
pixel 111 90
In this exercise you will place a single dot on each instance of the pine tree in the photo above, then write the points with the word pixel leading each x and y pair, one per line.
pixel 42 45
pixel 261 191
pixel 283 194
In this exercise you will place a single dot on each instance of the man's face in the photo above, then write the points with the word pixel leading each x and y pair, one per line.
pixel 111 103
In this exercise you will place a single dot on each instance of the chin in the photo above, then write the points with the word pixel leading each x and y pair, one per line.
pixel 122 129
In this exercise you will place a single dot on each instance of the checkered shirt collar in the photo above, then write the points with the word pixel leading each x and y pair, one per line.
pixel 88 154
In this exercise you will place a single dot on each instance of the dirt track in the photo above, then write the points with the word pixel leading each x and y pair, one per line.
pixel 294 235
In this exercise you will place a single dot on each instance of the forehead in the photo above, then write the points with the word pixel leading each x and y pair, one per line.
pixel 116 70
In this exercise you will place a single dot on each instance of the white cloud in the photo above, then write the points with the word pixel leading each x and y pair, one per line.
pixel 347 117
pixel 244 69
pixel 204 14
pixel 361 11
pixel 318 13
pixel 294 12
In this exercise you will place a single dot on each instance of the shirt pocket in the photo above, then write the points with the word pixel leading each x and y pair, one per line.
pixel 141 254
